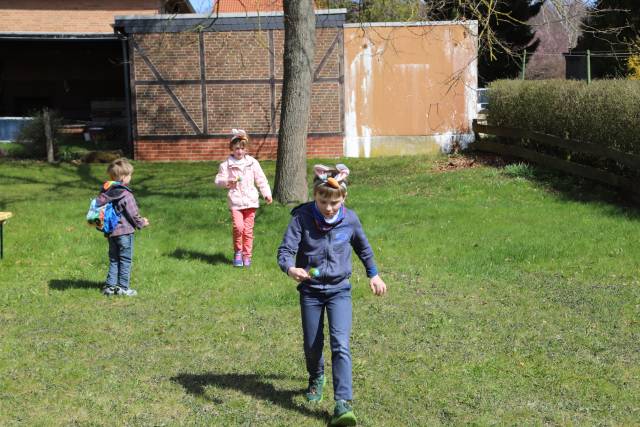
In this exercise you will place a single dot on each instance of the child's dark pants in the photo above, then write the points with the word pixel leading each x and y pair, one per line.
pixel 338 306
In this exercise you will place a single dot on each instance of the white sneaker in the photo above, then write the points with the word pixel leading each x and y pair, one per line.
pixel 126 292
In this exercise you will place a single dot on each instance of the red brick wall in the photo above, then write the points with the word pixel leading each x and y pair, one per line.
pixel 158 114
pixel 174 55
pixel 218 149
pixel 247 104
pixel 237 55
pixel 66 16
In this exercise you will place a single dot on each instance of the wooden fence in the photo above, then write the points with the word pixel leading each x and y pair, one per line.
pixel 589 172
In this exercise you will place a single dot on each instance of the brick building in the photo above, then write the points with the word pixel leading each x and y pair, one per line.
pixel 195 78
pixel 185 80
pixel 65 55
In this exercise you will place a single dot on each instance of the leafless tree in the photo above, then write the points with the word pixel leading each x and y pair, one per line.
pixel 299 49
pixel 557 26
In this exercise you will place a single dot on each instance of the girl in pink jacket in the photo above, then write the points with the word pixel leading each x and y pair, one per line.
pixel 240 173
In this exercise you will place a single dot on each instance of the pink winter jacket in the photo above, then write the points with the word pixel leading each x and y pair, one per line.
pixel 243 194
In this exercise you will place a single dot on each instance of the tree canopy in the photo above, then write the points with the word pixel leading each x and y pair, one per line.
pixel 611 32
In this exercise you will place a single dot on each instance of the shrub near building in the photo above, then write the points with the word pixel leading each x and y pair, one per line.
pixel 605 112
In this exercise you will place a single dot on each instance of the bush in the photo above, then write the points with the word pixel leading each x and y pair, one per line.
pixel 633 67
pixel 32 135
pixel 604 112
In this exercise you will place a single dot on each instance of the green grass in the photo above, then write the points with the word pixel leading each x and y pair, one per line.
pixel 67 147
pixel 513 300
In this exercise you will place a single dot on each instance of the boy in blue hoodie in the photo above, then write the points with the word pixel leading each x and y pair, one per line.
pixel 316 252
pixel 121 238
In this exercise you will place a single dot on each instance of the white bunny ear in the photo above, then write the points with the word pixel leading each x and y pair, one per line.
pixel 239 132
pixel 343 172
pixel 320 170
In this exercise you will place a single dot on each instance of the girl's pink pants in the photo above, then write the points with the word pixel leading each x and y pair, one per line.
pixel 243 221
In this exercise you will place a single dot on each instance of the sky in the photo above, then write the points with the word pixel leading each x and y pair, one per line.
pixel 201 5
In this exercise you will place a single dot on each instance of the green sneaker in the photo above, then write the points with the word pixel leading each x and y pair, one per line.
pixel 343 415
pixel 314 391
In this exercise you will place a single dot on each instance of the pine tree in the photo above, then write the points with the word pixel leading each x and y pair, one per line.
pixel 613 27
pixel 508 22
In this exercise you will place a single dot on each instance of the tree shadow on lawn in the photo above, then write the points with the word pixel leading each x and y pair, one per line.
pixel 257 386
pixel 212 259
pixel 578 189
pixel 565 186
pixel 64 284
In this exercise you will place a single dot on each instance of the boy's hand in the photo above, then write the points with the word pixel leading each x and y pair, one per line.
pixel 145 221
pixel 378 287
pixel 269 200
pixel 298 274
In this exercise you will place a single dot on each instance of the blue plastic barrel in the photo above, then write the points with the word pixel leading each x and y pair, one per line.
pixel 10 127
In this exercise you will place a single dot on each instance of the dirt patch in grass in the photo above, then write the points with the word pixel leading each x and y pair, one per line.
pixel 471 160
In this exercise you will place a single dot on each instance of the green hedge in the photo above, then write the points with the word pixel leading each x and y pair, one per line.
pixel 604 112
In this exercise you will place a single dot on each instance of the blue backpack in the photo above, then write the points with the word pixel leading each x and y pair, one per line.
pixel 105 218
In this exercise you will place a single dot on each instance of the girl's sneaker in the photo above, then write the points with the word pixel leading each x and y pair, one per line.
pixel 314 391
pixel 247 262
pixel 343 415
pixel 237 259
pixel 127 292
pixel 108 290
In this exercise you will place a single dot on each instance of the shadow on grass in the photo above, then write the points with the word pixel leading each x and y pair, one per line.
pixel 212 259
pixel 63 285
pixel 257 386
pixel 572 188
pixel 565 186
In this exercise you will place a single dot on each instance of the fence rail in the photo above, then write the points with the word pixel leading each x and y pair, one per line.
pixel 589 172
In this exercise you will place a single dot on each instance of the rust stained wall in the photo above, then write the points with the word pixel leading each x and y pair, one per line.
pixel 411 82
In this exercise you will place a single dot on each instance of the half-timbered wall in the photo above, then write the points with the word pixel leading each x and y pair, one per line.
pixel 192 82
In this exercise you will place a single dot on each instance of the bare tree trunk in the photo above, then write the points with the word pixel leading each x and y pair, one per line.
pixel 48 133
pixel 299 50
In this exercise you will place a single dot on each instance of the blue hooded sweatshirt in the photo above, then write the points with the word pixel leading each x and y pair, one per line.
pixel 309 242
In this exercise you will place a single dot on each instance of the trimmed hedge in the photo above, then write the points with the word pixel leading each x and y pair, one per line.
pixel 604 112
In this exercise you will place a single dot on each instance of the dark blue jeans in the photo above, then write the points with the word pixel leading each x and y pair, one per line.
pixel 120 257
pixel 337 304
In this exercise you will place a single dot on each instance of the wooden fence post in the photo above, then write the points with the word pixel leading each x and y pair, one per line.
pixel 588 66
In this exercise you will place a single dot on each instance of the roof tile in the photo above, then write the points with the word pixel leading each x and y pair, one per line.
pixel 244 6
pixel 240 6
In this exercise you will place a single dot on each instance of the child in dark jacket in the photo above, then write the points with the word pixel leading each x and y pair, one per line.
pixel 316 252
pixel 121 238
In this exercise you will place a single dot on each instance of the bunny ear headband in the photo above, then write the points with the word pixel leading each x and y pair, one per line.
pixel 239 134
pixel 323 173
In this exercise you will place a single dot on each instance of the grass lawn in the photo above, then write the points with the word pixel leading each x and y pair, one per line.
pixel 513 299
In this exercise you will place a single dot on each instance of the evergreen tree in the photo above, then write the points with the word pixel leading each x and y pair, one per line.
pixel 613 27
pixel 508 23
